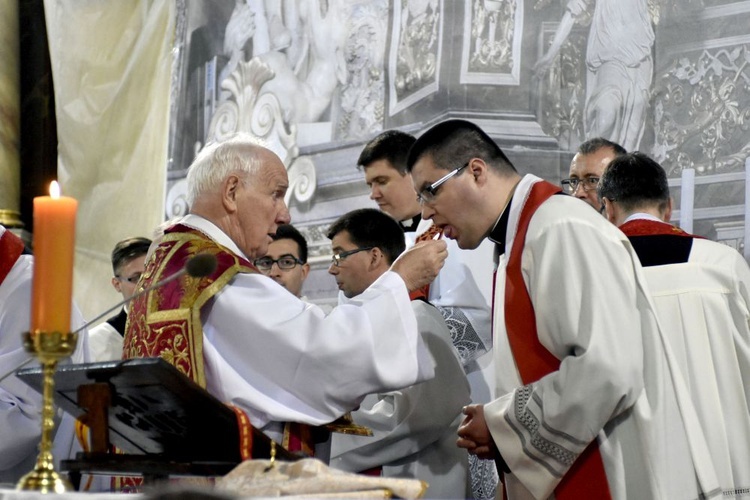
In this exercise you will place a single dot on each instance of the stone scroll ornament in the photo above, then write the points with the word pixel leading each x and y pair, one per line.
pixel 260 115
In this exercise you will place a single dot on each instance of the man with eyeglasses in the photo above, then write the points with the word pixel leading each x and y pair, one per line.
pixel 128 264
pixel 286 259
pixel 454 292
pixel 590 404
pixel 701 290
pixel 246 339
pixel 587 167
pixel 414 427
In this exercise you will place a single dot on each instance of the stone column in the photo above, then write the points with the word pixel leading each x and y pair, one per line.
pixel 10 170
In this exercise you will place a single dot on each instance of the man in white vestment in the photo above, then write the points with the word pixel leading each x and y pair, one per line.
pixel 454 292
pixel 243 336
pixel 587 168
pixel 20 405
pixel 414 427
pixel 702 294
pixel 590 401
pixel 128 263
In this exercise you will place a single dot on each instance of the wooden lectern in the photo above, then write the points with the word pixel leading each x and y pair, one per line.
pixel 163 422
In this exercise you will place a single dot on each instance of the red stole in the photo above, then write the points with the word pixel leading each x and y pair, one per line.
pixel 586 478
pixel 647 227
pixel 11 248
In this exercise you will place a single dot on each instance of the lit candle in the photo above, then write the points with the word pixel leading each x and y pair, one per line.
pixel 54 242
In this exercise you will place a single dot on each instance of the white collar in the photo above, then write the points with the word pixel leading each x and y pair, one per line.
pixel 642 216
pixel 211 230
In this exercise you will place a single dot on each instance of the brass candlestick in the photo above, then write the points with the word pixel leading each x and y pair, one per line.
pixel 49 348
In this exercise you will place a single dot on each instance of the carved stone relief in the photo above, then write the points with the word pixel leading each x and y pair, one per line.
pixel 414 63
pixel 701 121
pixel 562 90
pixel 493 30
pixel 702 111
pixel 362 96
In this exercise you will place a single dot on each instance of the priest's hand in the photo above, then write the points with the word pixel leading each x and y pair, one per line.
pixel 419 265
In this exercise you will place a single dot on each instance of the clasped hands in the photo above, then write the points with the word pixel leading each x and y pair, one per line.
pixel 475 437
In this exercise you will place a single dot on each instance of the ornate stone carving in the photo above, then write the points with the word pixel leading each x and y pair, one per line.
pixel 701 112
pixel 362 97
pixel 415 52
pixel 562 92
pixel 261 116
pixel 492 42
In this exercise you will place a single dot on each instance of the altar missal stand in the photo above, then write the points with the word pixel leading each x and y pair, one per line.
pixel 162 422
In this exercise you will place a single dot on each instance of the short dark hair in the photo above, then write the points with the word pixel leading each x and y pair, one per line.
pixel 369 227
pixel 634 180
pixel 597 143
pixel 391 145
pixel 289 232
pixel 127 250
pixel 452 143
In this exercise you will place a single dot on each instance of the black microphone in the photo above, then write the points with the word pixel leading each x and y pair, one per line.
pixel 198 266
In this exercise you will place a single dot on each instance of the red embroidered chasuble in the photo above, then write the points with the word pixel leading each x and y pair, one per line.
pixel 11 248
pixel 586 478
pixel 166 321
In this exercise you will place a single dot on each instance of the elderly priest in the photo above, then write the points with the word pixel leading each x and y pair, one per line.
pixel 244 337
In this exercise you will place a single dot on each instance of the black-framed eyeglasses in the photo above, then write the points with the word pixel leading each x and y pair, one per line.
pixel 338 257
pixel 286 261
pixel 132 279
pixel 587 183
pixel 428 194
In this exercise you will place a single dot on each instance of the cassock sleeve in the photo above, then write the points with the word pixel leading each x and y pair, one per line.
pixel 581 282
pixel 407 421
pixel 284 360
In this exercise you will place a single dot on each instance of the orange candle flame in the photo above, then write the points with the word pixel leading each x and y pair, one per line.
pixel 54 189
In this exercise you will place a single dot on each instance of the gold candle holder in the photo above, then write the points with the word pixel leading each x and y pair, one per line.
pixel 49 348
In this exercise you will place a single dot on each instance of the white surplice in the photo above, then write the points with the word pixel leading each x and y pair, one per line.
pixel 704 308
pixel 415 428
pixel 281 359
pixel 105 343
pixel 457 296
pixel 617 383
pixel 20 405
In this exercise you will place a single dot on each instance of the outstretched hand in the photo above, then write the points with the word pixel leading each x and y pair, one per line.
pixel 419 265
